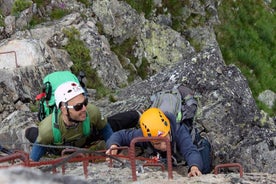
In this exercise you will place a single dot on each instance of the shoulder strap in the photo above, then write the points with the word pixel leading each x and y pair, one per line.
pixel 179 104
pixel 56 131
pixel 86 126
pixel 55 127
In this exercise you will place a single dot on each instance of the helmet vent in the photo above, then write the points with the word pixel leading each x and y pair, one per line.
pixel 163 120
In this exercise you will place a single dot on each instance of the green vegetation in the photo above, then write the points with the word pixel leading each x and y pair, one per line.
pixel 174 7
pixel 2 19
pixel 20 5
pixel 87 3
pixel 80 56
pixel 35 21
pixel 100 28
pixel 112 98
pixel 125 53
pixel 142 6
pixel 58 13
pixel 42 3
pixel 178 12
pixel 34 106
pixel 247 38
pixel 142 70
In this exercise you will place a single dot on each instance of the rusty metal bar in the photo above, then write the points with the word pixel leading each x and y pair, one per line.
pixel 147 139
pixel 23 156
pixel 15 57
pixel 85 163
pixel 96 157
pixel 118 148
pixel 85 158
pixel 239 166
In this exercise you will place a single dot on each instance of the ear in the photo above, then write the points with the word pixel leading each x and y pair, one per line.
pixel 63 109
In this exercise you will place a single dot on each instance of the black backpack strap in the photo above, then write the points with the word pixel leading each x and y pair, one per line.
pixel 47 88
pixel 5 150
pixel 41 110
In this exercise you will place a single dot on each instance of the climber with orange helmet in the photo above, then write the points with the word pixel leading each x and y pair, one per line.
pixel 77 122
pixel 154 123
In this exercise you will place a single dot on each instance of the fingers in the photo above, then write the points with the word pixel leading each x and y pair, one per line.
pixel 194 172
pixel 111 151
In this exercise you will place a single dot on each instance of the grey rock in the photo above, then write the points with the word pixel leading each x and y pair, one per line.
pixel 238 130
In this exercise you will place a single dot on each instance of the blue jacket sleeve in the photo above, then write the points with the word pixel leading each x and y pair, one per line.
pixel 124 137
pixel 106 132
pixel 37 152
pixel 187 149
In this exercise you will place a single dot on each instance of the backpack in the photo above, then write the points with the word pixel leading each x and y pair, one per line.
pixel 179 101
pixel 47 103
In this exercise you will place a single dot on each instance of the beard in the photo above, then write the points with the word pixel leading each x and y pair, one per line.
pixel 78 116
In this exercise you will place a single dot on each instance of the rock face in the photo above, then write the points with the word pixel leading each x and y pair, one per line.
pixel 100 173
pixel 227 110
pixel 238 130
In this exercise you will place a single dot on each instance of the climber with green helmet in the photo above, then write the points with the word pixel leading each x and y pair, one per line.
pixel 154 123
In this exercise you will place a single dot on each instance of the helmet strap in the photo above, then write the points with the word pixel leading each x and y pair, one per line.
pixel 170 134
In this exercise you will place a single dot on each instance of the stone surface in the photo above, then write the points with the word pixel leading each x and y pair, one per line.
pixel 100 173
pixel 238 130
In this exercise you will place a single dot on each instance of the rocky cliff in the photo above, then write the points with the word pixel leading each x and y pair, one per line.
pixel 238 130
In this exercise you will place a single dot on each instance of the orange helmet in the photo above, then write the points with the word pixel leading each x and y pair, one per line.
pixel 153 122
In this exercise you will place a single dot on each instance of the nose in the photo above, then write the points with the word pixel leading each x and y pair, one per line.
pixel 156 146
pixel 83 107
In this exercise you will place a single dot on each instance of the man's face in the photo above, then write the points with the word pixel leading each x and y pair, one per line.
pixel 160 145
pixel 77 107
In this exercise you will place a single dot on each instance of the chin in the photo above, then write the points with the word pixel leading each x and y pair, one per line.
pixel 82 117
pixel 163 149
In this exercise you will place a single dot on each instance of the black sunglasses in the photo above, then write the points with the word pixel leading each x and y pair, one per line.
pixel 79 106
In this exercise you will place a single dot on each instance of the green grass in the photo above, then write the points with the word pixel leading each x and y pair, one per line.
pixel 87 3
pixel 36 19
pixel 20 5
pixel 247 39
pixel 2 19
pixel 42 3
pixel 125 53
pixel 140 6
pixel 58 13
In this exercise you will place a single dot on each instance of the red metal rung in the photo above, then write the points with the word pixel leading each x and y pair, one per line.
pixel 85 163
pixel 229 165
pixel 147 139
pixel 118 148
pixel 23 156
